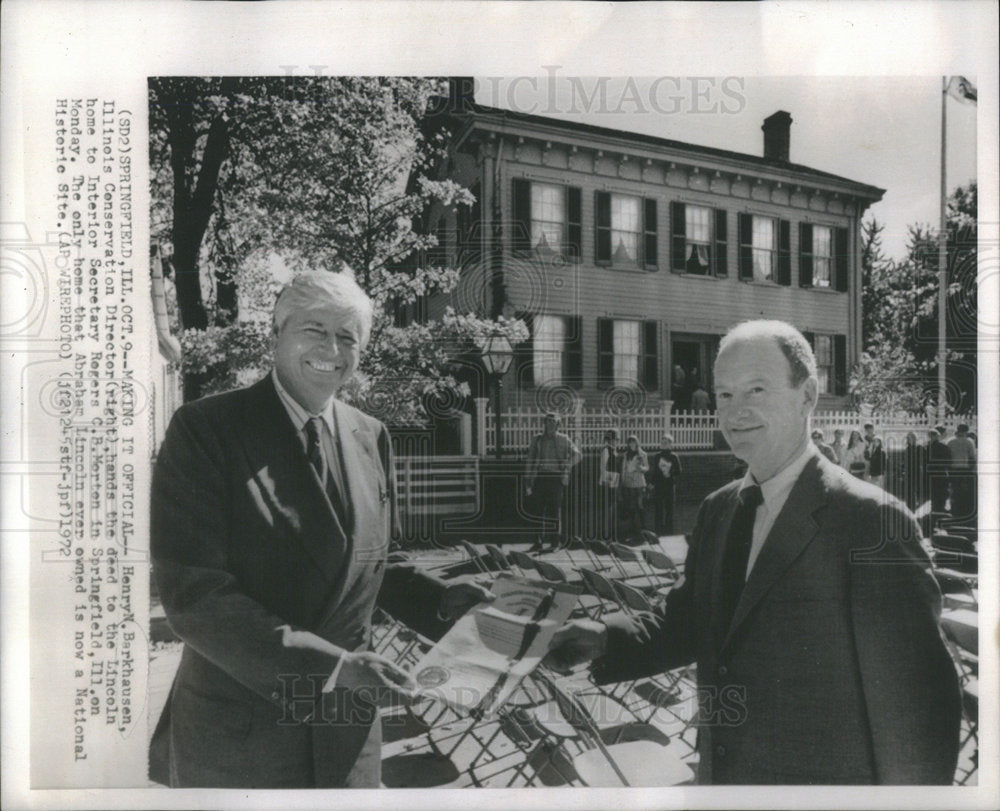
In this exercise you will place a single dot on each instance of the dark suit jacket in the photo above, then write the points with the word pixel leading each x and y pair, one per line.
pixel 244 540
pixel 833 669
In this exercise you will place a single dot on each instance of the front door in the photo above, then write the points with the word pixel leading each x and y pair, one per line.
pixel 692 358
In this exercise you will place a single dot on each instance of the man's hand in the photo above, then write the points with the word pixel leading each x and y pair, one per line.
pixel 364 670
pixel 458 598
pixel 576 642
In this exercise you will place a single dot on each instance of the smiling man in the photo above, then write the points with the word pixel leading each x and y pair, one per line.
pixel 807 603
pixel 272 510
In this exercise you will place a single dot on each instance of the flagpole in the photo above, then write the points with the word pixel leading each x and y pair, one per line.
pixel 942 262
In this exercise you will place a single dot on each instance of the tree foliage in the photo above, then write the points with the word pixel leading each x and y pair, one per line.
pixel 898 366
pixel 254 174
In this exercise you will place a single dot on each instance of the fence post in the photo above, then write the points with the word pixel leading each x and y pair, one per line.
pixel 481 426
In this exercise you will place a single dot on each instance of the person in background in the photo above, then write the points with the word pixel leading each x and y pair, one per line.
pixel 700 400
pixel 854 456
pixel 938 467
pixel 838 445
pixel 826 450
pixel 635 464
pixel 963 474
pixel 664 471
pixel 609 481
pixel 876 462
pixel 911 472
pixel 551 457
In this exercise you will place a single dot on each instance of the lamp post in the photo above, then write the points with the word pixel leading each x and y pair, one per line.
pixel 497 354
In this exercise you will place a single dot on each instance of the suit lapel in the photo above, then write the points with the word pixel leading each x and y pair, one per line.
pixel 359 464
pixel 792 532
pixel 284 474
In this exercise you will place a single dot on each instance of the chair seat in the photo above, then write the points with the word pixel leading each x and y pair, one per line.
pixel 644 763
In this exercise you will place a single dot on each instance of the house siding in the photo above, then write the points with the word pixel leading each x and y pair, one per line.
pixel 679 303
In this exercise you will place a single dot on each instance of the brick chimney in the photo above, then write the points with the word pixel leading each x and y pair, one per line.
pixel 776 136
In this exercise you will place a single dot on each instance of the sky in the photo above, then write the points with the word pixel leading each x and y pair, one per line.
pixel 884 131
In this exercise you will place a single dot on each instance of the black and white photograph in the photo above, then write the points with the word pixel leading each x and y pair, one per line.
pixel 412 419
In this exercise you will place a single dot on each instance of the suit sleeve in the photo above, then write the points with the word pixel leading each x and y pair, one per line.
pixel 909 681
pixel 672 632
pixel 202 599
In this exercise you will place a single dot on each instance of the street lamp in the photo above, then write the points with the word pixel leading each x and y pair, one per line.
pixel 497 354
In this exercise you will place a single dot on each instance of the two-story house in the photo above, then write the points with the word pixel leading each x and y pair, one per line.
pixel 629 255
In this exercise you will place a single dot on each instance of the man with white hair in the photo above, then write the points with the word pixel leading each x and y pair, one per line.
pixel 272 511
pixel 808 603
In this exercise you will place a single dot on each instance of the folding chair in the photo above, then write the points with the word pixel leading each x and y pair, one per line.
pixel 648 579
pixel 660 561
pixel 598 585
pixel 967 666
pixel 601 548
pixel 549 571
pixel 955 590
pixel 630 754
pixel 497 556
pixel 477 558
pixel 524 562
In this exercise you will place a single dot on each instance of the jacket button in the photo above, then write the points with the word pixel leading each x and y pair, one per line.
pixel 723 670
pixel 720 750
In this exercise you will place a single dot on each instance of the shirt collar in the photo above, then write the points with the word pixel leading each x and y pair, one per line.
pixel 296 412
pixel 782 481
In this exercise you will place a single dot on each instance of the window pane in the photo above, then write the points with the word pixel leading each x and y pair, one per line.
pixel 823 350
pixel 548 214
pixel 549 342
pixel 626 347
pixel 626 228
pixel 698 224
pixel 822 255
pixel 763 248
pixel 763 233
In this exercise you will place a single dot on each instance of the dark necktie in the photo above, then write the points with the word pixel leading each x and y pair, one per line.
pixel 737 552
pixel 317 458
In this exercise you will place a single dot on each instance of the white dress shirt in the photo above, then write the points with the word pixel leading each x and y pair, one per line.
pixel 775 493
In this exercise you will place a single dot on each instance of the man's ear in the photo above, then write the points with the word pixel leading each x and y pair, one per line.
pixel 810 393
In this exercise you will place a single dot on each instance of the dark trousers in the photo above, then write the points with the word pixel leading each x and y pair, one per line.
pixel 963 495
pixel 632 501
pixel 548 492
pixel 609 513
pixel 663 506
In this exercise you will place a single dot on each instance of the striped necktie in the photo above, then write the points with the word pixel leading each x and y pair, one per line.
pixel 328 478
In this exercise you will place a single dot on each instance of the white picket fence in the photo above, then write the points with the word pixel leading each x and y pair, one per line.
pixel 691 430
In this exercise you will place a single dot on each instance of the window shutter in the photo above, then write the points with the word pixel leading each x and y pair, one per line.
pixel 678 237
pixel 525 354
pixel 811 338
pixel 649 377
pixel 573 352
pixel 721 255
pixel 745 236
pixel 840 364
pixel 521 235
pixel 649 253
pixel 602 229
pixel 574 224
pixel 840 258
pixel 805 254
pixel 605 353
pixel 784 253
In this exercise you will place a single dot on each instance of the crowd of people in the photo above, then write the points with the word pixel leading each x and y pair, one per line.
pixel 941 470
pixel 633 483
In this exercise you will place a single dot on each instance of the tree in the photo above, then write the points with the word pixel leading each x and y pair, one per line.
pixel 898 366
pixel 323 173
